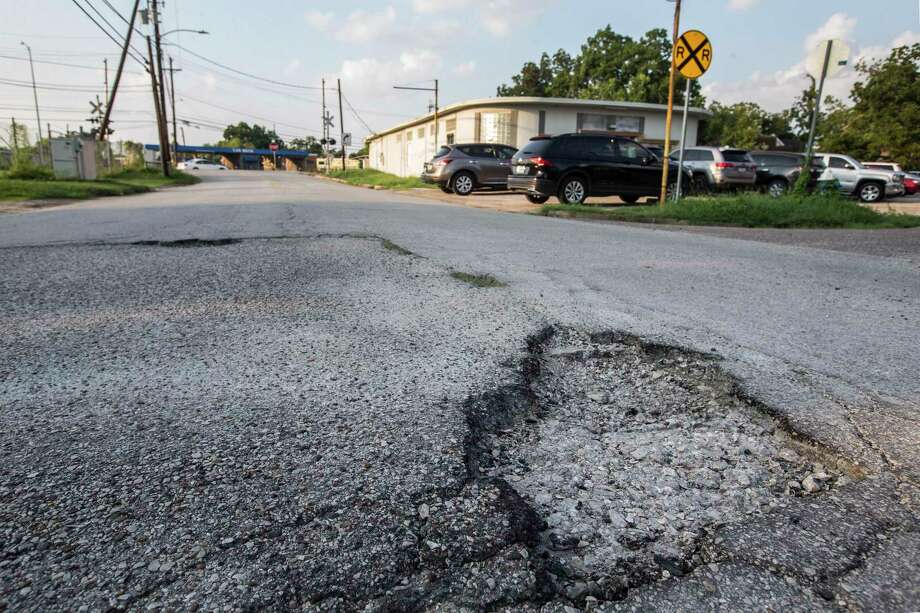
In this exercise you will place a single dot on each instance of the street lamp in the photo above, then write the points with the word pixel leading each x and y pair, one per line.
pixel 38 117
pixel 172 84
pixel 184 30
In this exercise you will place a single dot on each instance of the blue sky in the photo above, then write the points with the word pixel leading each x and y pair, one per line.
pixel 470 46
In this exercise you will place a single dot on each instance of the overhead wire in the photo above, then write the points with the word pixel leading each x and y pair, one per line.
pixel 107 33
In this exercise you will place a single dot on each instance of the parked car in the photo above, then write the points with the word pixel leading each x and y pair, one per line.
pixel 911 183
pixel 883 166
pixel 573 167
pixel 777 171
pixel 658 150
pixel 867 184
pixel 200 164
pixel 460 169
pixel 719 168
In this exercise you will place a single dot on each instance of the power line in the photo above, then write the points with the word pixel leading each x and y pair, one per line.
pixel 107 33
pixel 22 59
pixel 246 114
pixel 86 89
pixel 358 117
pixel 245 74
pixel 120 16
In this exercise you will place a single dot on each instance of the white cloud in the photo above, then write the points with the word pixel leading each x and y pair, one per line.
pixel 292 67
pixel 742 5
pixel 465 69
pixel 370 75
pixel 319 20
pixel 839 25
pixel 776 91
pixel 433 6
pixel 363 26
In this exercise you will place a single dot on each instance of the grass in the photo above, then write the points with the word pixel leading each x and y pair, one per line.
pixel 748 210
pixel 119 184
pixel 477 280
pixel 369 176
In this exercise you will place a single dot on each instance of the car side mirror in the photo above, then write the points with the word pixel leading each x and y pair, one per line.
pixel 849 167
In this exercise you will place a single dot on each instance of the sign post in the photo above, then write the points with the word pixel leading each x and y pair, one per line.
pixel 692 57
pixel 274 148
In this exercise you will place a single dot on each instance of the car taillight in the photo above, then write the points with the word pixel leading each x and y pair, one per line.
pixel 721 165
pixel 540 162
pixel 443 162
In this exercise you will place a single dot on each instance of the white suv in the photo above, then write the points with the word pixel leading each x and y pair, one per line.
pixel 867 184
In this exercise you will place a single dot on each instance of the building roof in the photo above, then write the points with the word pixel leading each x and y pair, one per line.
pixel 524 101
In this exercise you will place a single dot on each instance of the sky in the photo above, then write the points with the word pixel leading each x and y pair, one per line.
pixel 470 46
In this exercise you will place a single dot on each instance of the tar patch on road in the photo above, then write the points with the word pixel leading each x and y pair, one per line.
pixel 190 242
pixel 477 280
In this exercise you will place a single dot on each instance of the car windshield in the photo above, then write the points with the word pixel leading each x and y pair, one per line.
pixel 442 152
pixel 535 147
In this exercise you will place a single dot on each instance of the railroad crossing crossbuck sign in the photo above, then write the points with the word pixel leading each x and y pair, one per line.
pixel 692 54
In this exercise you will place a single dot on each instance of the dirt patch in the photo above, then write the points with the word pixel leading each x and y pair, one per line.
pixel 477 280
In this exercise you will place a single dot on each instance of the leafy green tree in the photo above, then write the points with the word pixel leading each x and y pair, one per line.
pixel 610 66
pixel 244 135
pixel 308 143
pixel 886 108
pixel 737 125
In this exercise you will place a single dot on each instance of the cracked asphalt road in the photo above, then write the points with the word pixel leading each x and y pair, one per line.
pixel 258 424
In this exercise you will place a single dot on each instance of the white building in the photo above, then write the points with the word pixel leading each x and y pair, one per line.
pixel 404 149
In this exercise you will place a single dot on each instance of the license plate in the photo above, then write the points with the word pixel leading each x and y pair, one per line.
pixel 427 167
pixel 521 169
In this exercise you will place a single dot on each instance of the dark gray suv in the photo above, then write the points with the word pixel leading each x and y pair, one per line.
pixel 460 169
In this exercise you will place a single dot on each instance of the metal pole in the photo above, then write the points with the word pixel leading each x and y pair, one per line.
pixel 338 83
pixel 814 118
pixel 325 131
pixel 683 143
pixel 667 123
pixel 38 117
pixel 436 127
pixel 105 63
pixel 104 127
pixel 156 104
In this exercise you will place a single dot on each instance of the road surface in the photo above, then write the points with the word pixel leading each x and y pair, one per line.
pixel 245 392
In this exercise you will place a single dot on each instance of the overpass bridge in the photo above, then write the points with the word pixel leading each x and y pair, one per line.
pixel 242 158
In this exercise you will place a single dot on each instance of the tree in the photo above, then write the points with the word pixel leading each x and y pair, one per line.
pixel 308 143
pixel 244 135
pixel 738 125
pixel 886 108
pixel 610 66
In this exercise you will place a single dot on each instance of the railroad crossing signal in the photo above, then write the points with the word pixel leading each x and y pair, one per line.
pixel 692 54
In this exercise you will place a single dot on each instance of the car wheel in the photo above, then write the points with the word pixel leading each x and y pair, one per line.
pixel 870 192
pixel 671 193
pixel 462 184
pixel 445 188
pixel 194 168
pixel 630 199
pixel 536 198
pixel 573 191
pixel 701 184
pixel 777 187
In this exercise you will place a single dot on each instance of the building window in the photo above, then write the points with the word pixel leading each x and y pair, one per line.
pixel 542 128
pixel 431 129
pixel 450 138
pixel 621 124
pixel 420 132
pixel 496 128
pixel 408 136
pixel 450 125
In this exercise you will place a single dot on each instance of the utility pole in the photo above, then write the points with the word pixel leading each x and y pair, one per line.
pixel 15 136
pixel 105 63
pixel 667 124
pixel 325 130
pixel 161 129
pixel 338 83
pixel 104 127
pixel 172 99
pixel 159 50
pixel 38 117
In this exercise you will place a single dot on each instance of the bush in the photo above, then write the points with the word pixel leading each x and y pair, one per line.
pixel 24 168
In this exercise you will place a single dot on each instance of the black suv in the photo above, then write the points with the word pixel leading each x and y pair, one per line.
pixel 777 171
pixel 575 166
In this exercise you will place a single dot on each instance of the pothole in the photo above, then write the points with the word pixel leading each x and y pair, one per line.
pixel 632 455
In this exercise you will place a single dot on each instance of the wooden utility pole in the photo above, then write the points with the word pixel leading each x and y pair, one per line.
pixel 15 137
pixel 159 50
pixel 161 128
pixel 172 99
pixel 667 123
pixel 338 83
pixel 104 127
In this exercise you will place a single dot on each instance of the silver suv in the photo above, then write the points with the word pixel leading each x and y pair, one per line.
pixel 867 184
pixel 719 168
pixel 460 169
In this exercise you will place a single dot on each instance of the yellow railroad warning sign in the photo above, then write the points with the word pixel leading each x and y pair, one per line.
pixel 692 54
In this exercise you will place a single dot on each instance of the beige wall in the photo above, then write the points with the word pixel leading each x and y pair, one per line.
pixel 394 154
